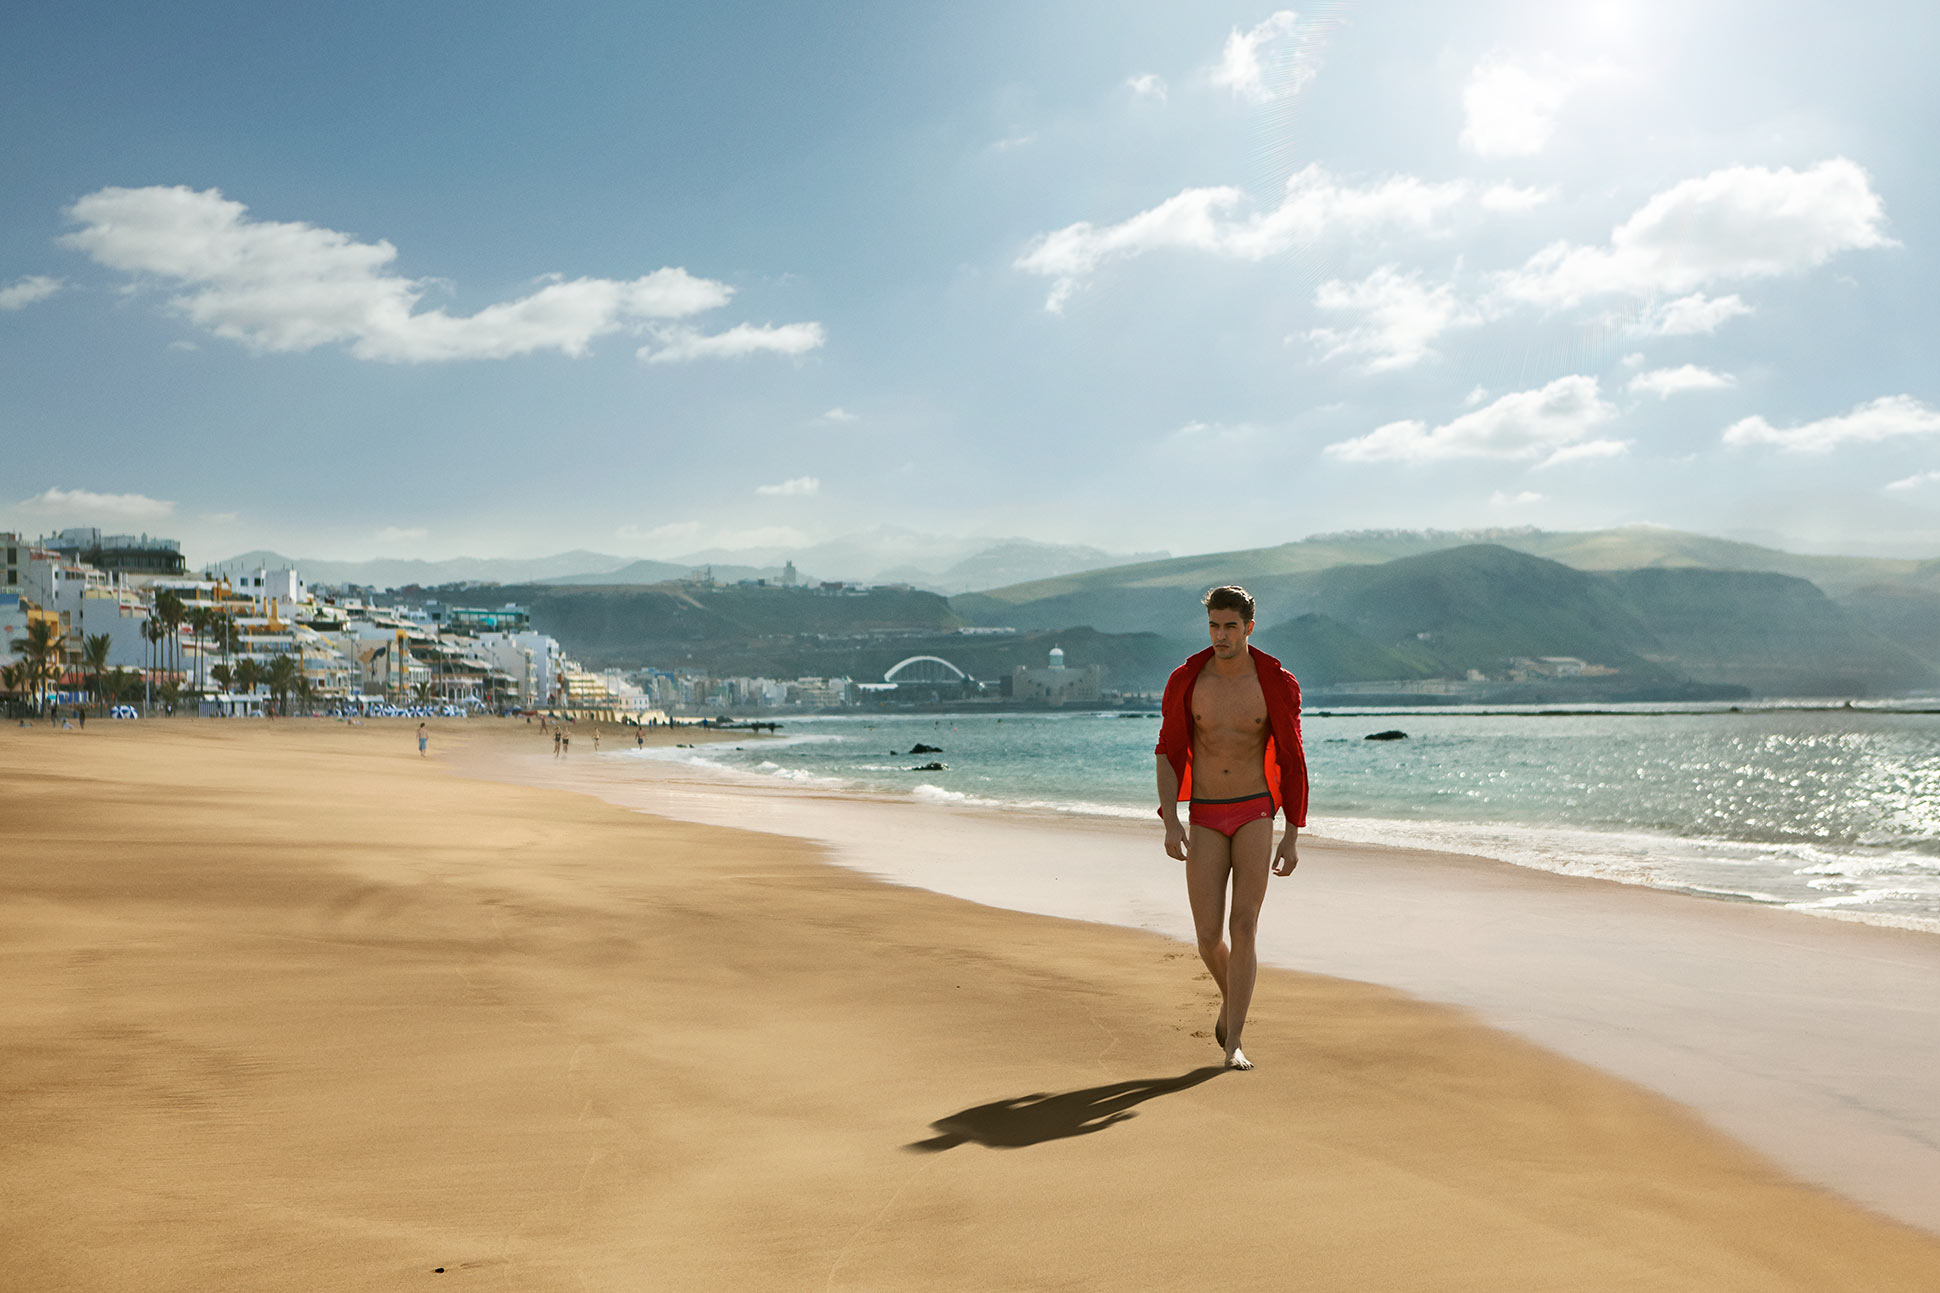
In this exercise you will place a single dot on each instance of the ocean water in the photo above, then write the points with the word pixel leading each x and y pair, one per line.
pixel 1830 811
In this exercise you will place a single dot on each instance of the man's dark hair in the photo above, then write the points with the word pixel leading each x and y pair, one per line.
pixel 1230 597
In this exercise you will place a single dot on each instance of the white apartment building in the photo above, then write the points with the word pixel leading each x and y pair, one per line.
pixel 532 661
pixel 823 693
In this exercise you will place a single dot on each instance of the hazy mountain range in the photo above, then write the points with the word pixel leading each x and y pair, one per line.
pixel 1664 607
pixel 1655 603
pixel 939 563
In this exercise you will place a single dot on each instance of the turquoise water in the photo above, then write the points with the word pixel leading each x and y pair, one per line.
pixel 1831 812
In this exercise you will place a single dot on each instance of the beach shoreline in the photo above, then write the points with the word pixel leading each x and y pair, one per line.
pixel 288 1006
pixel 1813 1040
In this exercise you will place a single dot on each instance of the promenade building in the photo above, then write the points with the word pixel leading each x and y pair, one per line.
pixel 129 559
pixel 821 693
pixel 606 695
pixel 1056 685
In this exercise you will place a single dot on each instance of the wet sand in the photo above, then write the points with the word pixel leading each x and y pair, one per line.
pixel 285 1006
pixel 1814 1041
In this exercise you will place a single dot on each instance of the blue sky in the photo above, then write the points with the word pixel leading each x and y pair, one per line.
pixel 480 279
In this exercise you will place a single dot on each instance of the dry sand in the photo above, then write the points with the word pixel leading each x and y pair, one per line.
pixel 285 1006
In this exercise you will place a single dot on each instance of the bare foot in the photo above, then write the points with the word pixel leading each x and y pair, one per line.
pixel 1236 1059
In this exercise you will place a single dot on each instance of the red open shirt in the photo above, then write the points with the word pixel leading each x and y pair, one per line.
pixel 1286 760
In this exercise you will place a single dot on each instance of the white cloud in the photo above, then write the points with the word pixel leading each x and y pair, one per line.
pixel 1241 70
pixel 1885 418
pixel 1315 206
pixel 1509 109
pixel 1502 498
pixel 1741 222
pixel 1918 481
pixel 84 506
pixel 1401 319
pixel 1584 452
pixel 800 487
pixel 682 345
pixel 290 286
pixel 1522 425
pixel 838 414
pixel 1014 141
pixel 1666 382
pixel 1693 315
pixel 671 532
pixel 1146 85
pixel 1475 396
pixel 1197 435
pixel 402 534
pixel 1634 359
pixel 1510 198
pixel 184 345
pixel 24 292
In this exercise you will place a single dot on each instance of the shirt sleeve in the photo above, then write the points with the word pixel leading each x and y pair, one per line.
pixel 1293 762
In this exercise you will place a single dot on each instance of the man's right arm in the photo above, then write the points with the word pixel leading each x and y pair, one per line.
pixel 1175 831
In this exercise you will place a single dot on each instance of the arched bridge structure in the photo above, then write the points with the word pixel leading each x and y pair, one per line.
pixel 926 668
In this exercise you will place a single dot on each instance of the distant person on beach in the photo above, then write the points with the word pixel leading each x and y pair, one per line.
pixel 424 739
pixel 558 739
pixel 1229 743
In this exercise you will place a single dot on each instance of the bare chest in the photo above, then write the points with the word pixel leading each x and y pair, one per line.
pixel 1228 709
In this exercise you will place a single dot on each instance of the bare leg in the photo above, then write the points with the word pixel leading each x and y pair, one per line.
pixel 1251 850
pixel 1208 863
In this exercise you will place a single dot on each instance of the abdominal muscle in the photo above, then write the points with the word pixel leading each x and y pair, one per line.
pixel 1229 732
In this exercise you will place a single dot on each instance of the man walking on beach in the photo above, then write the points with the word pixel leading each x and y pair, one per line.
pixel 1229 742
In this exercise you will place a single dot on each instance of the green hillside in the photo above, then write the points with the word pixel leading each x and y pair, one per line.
pixel 607 623
pixel 1776 634
pixel 1123 596
pixel 1321 651
pixel 1132 661
pixel 1908 616
pixel 1477 607
pixel 791 633
pixel 1639 547
pixel 1163 596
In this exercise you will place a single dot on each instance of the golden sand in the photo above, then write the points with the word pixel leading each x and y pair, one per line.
pixel 284 1006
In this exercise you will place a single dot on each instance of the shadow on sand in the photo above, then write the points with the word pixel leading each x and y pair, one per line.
pixel 1034 1119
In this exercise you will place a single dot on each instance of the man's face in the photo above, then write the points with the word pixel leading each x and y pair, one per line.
pixel 1229 632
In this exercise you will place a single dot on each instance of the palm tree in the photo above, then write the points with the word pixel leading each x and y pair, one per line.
pixel 113 685
pixel 43 648
pixel 249 674
pixel 227 633
pixel 13 677
pixel 201 625
pixel 94 660
pixel 283 676
pixel 220 675
pixel 153 632
pixel 169 606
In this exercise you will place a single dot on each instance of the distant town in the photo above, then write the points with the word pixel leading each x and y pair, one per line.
pixel 117 622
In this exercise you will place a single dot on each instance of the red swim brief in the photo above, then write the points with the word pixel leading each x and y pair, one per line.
pixel 1228 815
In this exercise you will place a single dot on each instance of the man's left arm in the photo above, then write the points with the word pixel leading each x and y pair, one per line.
pixel 1293 789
